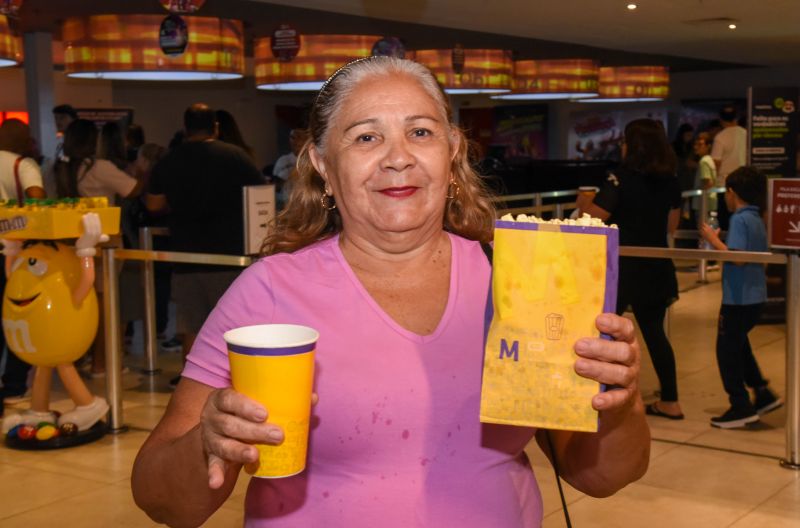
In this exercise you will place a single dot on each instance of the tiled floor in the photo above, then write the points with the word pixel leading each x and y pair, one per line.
pixel 698 476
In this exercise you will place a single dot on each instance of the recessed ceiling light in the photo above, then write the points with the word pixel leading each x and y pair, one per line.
pixel 631 7
pixel 731 26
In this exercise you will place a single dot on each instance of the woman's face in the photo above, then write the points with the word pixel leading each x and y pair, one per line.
pixel 387 159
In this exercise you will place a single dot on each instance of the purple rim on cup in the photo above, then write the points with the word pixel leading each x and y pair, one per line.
pixel 292 339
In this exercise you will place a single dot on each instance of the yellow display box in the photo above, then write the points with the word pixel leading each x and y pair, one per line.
pixel 55 219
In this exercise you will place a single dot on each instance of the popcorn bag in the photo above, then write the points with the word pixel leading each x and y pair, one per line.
pixel 549 283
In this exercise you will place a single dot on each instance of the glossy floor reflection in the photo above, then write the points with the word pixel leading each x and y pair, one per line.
pixel 698 476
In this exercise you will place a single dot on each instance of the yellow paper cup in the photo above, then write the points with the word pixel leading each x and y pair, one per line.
pixel 274 365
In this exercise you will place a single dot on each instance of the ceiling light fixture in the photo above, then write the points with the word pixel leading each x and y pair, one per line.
pixel 631 7
pixel 126 47
pixel 553 79
pixel 631 84
pixel 731 26
pixel 317 59
pixel 469 71
pixel 10 45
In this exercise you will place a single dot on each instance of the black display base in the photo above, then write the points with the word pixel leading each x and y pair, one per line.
pixel 96 432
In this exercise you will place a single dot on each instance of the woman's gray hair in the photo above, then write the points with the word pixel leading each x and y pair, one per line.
pixel 339 86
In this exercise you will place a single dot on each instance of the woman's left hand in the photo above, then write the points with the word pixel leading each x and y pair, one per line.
pixel 614 362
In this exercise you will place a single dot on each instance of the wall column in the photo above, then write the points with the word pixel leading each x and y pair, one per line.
pixel 40 96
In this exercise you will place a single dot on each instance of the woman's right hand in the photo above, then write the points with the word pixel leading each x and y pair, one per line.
pixel 230 424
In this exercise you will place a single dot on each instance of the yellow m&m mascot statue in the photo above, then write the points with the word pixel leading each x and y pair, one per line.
pixel 50 318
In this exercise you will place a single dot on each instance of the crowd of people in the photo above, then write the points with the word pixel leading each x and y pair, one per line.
pixel 705 157
pixel 113 159
pixel 643 197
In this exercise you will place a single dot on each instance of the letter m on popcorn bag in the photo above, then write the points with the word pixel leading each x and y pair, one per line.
pixel 549 283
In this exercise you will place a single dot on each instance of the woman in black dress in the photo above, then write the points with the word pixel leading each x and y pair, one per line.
pixel 643 198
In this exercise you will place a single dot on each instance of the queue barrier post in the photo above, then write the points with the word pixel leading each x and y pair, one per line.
pixel 111 312
pixel 702 272
pixel 113 351
pixel 792 460
pixel 148 279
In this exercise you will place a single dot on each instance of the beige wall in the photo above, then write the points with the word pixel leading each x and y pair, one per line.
pixel 75 92
pixel 159 107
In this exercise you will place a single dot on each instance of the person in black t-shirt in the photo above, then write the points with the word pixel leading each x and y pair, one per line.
pixel 199 184
pixel 643 198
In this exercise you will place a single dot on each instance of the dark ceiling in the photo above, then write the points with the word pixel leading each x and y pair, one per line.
pixel 260 19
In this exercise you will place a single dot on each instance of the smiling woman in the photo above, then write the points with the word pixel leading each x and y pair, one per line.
pixel 378 250
pixel 340 112
pixel 388 169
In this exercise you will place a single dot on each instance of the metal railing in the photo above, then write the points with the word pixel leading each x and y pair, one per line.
pixel 537 206
pixel 702 266
pixel 148 279
pixel 558 210
pixel 111 308
pixel 114 351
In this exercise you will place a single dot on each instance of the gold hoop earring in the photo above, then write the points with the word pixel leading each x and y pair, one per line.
pixel 327 201
pixel 452 190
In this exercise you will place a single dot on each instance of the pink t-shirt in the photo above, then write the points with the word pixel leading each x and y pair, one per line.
pixel 395 438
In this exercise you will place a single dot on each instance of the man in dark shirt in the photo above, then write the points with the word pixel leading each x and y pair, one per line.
pixel 199 184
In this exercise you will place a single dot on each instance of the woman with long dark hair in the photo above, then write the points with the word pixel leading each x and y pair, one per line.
pixel 112 145
pixel 20 178
pixel 84 175
pixel 643 198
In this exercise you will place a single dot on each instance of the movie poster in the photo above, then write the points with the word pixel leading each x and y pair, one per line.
pixel 597 135
pixel 507 132
pixel 522 129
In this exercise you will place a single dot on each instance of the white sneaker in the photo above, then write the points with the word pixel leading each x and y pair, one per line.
pixel 28 417
pixel 85 416
pixel 17 398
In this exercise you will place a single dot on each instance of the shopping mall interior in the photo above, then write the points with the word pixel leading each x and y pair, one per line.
pixel 696 57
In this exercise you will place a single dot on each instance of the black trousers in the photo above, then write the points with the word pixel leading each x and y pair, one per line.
pixel 650 318
pixel 162 277
pixel 737 365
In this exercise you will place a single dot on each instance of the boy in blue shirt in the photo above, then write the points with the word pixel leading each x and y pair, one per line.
pixel 744 292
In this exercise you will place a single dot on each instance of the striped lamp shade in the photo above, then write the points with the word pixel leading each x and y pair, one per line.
pixel 318 58
pixel 483 71
pixel 632 83
pixel 126 47
pixel 10 45
pixel 553 79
